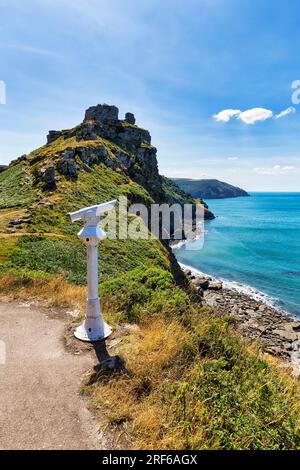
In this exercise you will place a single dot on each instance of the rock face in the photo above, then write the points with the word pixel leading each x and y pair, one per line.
pixel 53 135
pixel 209 189
pixel 129 117
pixel 67 165
pixel 103 114
pixel 133 154
pixel 49 179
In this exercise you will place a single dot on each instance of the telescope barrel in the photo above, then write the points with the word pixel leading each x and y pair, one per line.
pixel 82 214
pixel 107 206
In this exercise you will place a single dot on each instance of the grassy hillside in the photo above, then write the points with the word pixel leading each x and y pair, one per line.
pixel 49 244
pixel 190 381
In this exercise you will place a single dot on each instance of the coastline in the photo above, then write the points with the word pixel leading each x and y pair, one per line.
pixel 255 315
pixel 241 288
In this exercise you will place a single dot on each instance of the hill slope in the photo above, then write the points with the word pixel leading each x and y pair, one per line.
pixel 209 188
pixel 190 381
pixel 100 159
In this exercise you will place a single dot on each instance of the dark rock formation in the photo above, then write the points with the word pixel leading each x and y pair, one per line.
pixel 18 223
pixel 20 159
pixel 103 114
pixel 49 179
pixel 209 189
pixel 129 117
pixel 2 168
pixel 53 135
pixel 136 157
pixel 66 165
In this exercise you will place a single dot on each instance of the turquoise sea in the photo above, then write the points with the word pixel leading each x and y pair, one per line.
pixel 254 241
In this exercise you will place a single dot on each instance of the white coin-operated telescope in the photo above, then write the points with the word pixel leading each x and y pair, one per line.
pixel 93 328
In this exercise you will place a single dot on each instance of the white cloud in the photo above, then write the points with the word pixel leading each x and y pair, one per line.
pixel 274 170
pixel 250 116
pixel 226 115
pixel 285 112
pixel 233 159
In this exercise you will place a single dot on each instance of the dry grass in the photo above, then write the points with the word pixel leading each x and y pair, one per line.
pixel 203 390
pixel 54 293
pixel 135 397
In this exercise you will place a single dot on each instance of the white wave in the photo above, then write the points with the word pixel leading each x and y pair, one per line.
pixel 241 289
pixel 179 243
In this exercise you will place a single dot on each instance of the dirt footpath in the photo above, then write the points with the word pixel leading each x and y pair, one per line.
pixel 40 402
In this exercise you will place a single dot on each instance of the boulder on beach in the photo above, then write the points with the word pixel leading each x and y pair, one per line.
pixel 201 282
pixel 215 285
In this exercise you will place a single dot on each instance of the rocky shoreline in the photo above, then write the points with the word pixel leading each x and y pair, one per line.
pixel 278 331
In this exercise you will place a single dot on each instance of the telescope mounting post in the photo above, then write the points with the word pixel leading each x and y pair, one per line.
pixel 93 328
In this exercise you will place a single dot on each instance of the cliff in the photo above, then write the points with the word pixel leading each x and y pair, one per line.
pixel 209 188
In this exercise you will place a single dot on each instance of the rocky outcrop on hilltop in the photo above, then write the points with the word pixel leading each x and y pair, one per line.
pixel 103 138
pixel 131 153
pixel 209 188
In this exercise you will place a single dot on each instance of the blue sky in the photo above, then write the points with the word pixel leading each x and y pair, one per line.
pixel 176 65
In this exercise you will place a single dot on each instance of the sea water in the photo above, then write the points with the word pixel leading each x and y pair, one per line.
pixel 254 243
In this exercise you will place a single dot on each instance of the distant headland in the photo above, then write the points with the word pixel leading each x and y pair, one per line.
pixel 209 188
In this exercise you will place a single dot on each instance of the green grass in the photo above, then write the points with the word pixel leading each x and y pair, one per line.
pixel 68 257
pixel 101 185
pixel 14 192
pixel 48 151
pixel 174 193
pixel 7 246
pixel 52 256
pixel 131 295
pixel 54 246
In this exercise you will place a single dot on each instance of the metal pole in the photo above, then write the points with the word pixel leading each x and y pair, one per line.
pixel 94 328
pixel 92 268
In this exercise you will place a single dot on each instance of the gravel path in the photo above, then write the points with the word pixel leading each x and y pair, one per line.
pixel 40 403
